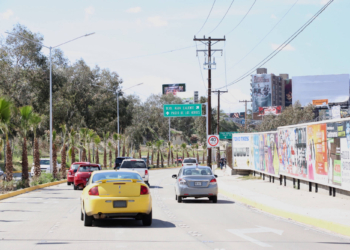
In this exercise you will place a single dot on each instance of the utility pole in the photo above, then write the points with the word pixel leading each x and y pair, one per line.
pixel 218 127
pixel 211 65
pixel 245 114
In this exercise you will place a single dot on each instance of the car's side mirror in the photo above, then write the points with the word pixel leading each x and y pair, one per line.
pixel 174 176
pixel 215 176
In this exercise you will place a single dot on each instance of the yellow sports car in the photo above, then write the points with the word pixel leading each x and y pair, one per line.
pixel 116 194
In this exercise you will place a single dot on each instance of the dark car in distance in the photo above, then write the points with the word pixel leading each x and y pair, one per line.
pixel 119 160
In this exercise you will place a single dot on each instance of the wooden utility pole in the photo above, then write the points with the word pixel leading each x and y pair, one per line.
pixel 218 127
pixel 208 42
pixel 245 114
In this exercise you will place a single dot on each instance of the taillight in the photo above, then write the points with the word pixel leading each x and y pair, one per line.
pixel 182 181
pixel 144 190
pixel 182 164
pixel 94 191
pixel 213 180
pixel 146 171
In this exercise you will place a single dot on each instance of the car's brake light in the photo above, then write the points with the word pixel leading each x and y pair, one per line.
pixel 146 171
pixel 213 180
pixel 94 191
pixel 182 181
pixel 182 164
pixel 144 190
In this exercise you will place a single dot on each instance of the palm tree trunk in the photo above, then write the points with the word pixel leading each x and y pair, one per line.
pixel 127 152
pixel 177 157
pixel 37 171
pixel 172 157
pixel 54 159
pixel 116 150
pixel 97 160
pixel 9 166
pixel 169 157
pixel 161 159
pixel 152 157
pixel 158 159
pixel 197 156
pixel 123 149
pixel 140 156
pixel 110 158
pixel 89 155
pixel 83 156
pixel 73 155
pixel 105 158
pixel 25 176
pixel 183 154
pixel 147 162
pixel 188 154
pixel 63 161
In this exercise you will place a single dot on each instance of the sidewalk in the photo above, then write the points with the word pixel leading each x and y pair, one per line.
pixel 316 209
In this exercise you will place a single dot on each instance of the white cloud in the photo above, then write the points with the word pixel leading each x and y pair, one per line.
pixel 273 16
pixel 6 15
pixel 157 21
pixel 134 10
pixel 89 11
pixel 287 48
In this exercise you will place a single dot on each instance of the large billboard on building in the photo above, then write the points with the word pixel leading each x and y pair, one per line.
pixel 261 91
pixel 174 88
pixel 288 92
pixel 335 88
pixel 273 110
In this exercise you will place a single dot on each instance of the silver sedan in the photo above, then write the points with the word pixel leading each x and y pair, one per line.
pixel 196 182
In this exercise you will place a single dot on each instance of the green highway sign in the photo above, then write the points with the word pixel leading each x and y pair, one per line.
pixel 227 135
pixel 182 110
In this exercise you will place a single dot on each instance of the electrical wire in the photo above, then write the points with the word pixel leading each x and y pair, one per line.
pixel 246 14
pixel 281 47
pixel 207 18
pixel 268 33
pixel 222 17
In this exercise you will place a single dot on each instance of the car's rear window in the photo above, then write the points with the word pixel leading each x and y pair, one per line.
pixel 75 166
pixel 190 161
pixel 88 168
pixel 133 164
pixel 115 175
pixel 44 162
pixel 197 171
pixel 119 160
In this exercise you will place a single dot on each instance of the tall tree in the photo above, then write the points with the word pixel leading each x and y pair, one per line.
pixel 72 144
pixel 26 113
pixel 158 145
pixel 110 147
pixel 105 137
pixel 54 154
pixel 5 117
pixel 90 138
pixel 97 141
pixel 169 151
pixel 184 148
pixel 149 146
pixel 116 138
pixel 63 151
pixel 83 134
pixel 35 122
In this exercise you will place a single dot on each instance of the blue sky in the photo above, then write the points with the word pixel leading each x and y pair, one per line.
pixel 126 30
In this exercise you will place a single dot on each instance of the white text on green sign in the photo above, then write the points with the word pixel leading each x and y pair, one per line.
pixel 182 110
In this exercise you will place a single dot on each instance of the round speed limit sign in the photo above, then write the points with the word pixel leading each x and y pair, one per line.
pixel 213 141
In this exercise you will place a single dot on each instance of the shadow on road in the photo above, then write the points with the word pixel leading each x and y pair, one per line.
pixel 22 211
pixel 131 223
pixel 155 187
pixel 336 243
pixel 200 201
pixel 11 220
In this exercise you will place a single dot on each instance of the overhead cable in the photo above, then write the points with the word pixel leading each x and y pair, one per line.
pixel 207 18
pixel 246 14
pixel 223 17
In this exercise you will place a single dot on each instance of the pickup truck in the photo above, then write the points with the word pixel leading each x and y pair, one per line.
pixel 190 162
pixel 44 166
pixel 138 165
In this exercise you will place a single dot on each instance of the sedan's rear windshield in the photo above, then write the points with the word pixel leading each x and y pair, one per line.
pixel 115 175
pixel 190 161
pixel 44 162
pixel 133 164
pixel 88 168
pixel 196 171
pixel 119 160
pixel 75 166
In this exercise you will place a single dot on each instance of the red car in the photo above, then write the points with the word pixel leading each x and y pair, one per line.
pixel 73 168
pixel 178 160
pixel 83 174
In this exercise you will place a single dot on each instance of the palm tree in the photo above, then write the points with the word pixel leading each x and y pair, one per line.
pixel 116 138
pixel 97 141
pixel 123 137
pixel 90 137
pixel 148 145
pixel 172 154
pixel 152 150
pixel 177 149
pixel 83 134
pixel 26 114
pixel 105 137
pixel 72 134
pixel 158 145
pixel 169 151
pixel 204 151
pixel 140 153
pixel 54 154
pixel 196 147
pixel 110 146
pixel 183 146
pixel 35 122
pixel 63 151
pixel 5 117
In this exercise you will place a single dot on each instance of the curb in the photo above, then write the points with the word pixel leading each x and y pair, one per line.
pixel 328 225
pixel 26 190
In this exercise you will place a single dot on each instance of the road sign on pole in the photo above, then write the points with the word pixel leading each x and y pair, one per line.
pixel 213 141
pixel 182 110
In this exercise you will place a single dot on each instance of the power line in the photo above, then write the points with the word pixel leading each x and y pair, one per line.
pixel 268 33
pixel 207 18
pixel 242 18
pixel 223 17
pixel 281 47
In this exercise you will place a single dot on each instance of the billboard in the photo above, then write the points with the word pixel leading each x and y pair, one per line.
pixel 173 88
pixel 322 102
pixel 335 88
pixel 288 100
pixel 261 91
pixel 237 115
pixel 186 97
pixel 274 110
pixel 240 151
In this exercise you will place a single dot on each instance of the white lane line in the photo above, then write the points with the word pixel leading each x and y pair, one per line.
pixel 242 233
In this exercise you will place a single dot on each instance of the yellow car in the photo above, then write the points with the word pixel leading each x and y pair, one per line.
pixel 116 194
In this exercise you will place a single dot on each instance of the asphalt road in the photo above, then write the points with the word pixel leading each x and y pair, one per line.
pixel 50 219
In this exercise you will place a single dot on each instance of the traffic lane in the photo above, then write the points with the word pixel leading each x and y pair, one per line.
pixel 229 224
pixel 50 218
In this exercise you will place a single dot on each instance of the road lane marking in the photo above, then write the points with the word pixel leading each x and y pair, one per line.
pixel 242 233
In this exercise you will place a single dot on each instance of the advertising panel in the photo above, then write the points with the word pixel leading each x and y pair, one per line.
pixel 322 102
pixel 274 110
pixel 335 88
pixel 240 151
pixel 292 152
pixel 237 115
pixel 173 88
pixel 288 92
pixel 261 91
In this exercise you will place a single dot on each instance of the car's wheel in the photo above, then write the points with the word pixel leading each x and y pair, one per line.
pixel 75 187
pixel 179 199
pixel 214 199
pixel 87 220
pixel 68 183
pixel 147 219
pixel 82 215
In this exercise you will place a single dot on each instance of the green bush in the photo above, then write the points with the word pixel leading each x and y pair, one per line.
pixel 42 179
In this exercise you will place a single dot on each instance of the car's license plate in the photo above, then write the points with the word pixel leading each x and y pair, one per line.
pixel 198 183
pixel 119 203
